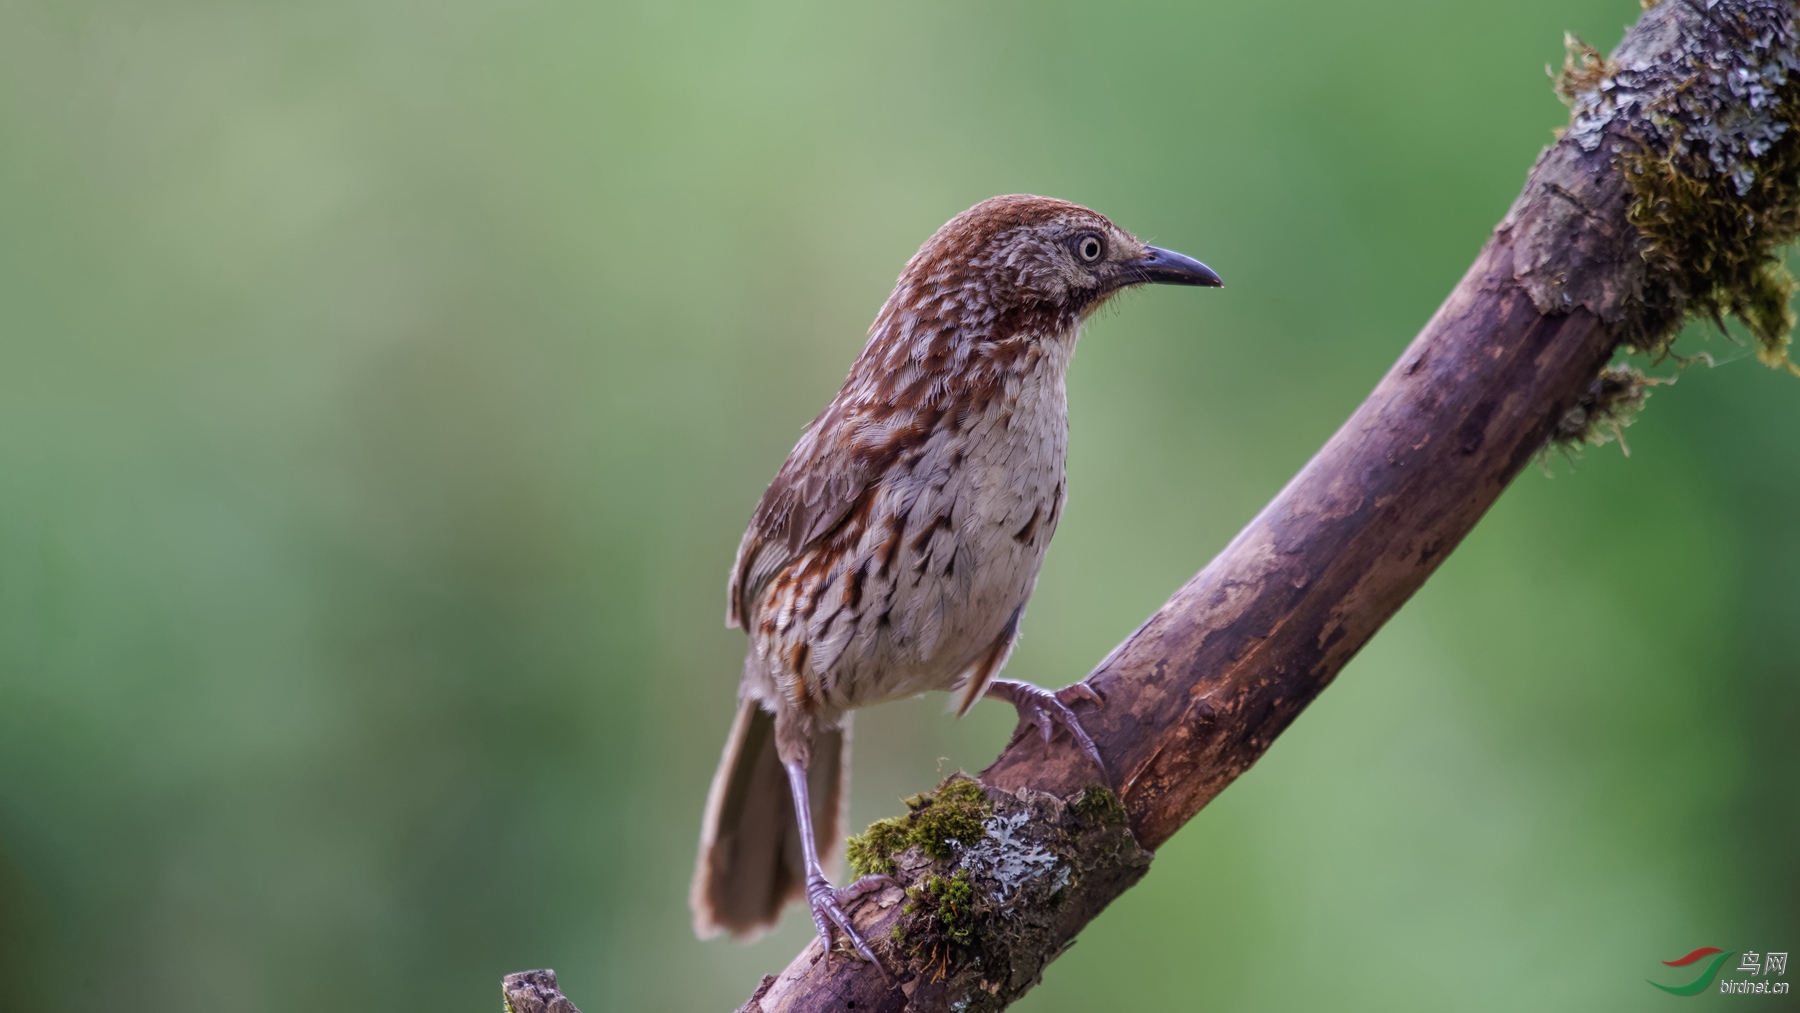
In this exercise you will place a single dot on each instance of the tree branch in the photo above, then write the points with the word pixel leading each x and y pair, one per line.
pixel 1592 257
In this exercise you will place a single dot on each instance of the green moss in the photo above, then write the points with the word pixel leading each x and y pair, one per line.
pixel 1611 403
pixel 1707 139
pixel 985 919
pixel 1583 69
pixel 938 924
pixel 954 812
pixel 1715 201
pixel 1717 253
pixel 1099 804
pixel 952 903
pixel 871 852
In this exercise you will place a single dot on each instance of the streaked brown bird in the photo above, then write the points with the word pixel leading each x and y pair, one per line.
pixel 896 548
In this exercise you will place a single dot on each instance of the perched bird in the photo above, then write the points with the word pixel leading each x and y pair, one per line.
pixel 896 548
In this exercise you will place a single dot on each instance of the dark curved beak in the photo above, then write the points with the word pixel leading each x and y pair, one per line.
pixel 1166 267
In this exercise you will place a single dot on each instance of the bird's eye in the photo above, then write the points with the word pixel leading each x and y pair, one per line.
pixel 1089 248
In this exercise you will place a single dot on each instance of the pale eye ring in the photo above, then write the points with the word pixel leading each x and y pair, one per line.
pixel 1089 248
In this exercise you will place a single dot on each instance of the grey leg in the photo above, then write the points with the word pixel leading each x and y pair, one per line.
pixel 826 901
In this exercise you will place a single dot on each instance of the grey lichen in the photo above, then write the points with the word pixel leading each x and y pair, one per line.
pixel 1728 125
pixel 1689 128
pixel 989 910
pixel 1008 859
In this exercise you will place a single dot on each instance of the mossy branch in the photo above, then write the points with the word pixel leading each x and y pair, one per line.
pixel 1707 141
pixel 1706 138
pixel 1670 196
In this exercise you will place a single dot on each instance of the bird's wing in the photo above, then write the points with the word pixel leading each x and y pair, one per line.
pixel 822 480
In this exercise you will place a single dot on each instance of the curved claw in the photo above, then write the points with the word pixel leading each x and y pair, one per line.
pixel 1082 691
pixel 827 903
pixel 1046 710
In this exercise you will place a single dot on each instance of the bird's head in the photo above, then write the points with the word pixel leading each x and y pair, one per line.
pixel 1021 252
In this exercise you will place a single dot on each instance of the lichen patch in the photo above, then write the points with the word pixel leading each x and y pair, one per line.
pixel 1008 859
pixel 1015 875
pixel 1703 111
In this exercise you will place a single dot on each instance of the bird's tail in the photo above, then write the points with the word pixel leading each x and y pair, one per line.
pixel 750 862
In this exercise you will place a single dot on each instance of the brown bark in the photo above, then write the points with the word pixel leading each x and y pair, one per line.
pixel 1196 695
pixel 534 992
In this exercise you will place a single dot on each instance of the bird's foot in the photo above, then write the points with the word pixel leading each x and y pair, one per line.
pixel 828 909
pixel 1045 709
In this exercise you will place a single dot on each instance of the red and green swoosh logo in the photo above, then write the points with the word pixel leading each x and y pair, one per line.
pixel 1705 980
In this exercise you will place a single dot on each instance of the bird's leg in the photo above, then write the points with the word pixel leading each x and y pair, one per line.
pixel 827 901
pixel 1045 709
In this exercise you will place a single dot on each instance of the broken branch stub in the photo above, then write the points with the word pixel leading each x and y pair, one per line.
pixel 534 992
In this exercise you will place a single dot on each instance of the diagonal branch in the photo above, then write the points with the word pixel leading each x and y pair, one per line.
pixel 1677 181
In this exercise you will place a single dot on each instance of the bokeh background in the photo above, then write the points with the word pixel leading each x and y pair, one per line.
pixel 384 387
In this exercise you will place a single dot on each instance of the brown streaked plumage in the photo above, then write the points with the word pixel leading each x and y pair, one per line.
pixel 897 546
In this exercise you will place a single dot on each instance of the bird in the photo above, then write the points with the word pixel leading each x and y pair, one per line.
pixel 895 550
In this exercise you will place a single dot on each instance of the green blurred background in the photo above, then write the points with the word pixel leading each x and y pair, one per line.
pixel 384 388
